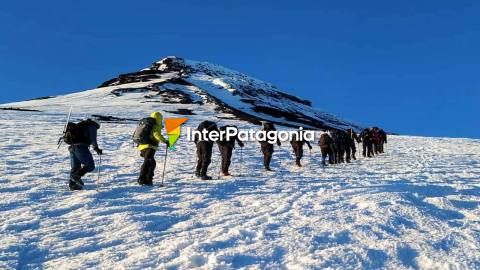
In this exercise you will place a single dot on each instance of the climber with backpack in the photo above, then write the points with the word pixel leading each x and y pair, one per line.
pixel 351 149
pixel 297 145
pixel 80 136
pixel 225 146
pixel 204 149
pixel 327 148
pixel 147 136
pixel 266 147
pixel 367 141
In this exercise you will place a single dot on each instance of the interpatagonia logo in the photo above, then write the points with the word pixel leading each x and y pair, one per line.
pixel 231 133
pixel 172 125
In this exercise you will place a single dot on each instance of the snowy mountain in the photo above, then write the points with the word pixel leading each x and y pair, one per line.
pixel 174 80
pixel 415 207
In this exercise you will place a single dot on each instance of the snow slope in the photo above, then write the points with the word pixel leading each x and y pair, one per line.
pixel 415 207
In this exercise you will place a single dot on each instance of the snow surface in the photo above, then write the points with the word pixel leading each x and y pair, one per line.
pixel 417 206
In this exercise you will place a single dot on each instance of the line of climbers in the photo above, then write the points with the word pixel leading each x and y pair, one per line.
pixel 337 145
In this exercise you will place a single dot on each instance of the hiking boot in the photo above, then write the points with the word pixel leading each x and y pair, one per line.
pixel 74 185
pixel 268 169
pixel 76 179
pixel 354 158
pixel 148 183
pixel 206 177
pixel 226 174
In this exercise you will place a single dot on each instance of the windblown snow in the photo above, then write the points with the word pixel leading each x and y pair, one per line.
pixel 414 207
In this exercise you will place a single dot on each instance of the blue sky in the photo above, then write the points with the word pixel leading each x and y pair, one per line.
pixel 409 66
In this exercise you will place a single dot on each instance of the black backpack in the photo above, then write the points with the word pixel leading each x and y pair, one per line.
pixel 76 133
pixel 208 125
pixel 269 126
pixel 143 132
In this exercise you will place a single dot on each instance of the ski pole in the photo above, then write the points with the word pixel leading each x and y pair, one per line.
pixel 164 165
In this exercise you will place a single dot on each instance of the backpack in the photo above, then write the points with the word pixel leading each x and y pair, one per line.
pixel 208 125
pixel 143 132
pixel 268 126
pixel 76 133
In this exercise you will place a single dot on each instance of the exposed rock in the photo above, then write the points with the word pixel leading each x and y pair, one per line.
pixel 182 112
pixel 19 109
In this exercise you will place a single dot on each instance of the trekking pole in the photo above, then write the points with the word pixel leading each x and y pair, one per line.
pixel 241 161
pixel 164 165
pixel 219 159
pixel 309 156
pixel 280 158
pixel 219 169
pixel 98 171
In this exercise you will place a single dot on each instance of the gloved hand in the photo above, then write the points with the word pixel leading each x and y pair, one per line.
pixel 98 150
pixel 279 143
pixel 241 144
pixel 310 147
pixel 167 143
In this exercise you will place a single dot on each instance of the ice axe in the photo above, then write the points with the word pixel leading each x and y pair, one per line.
pixel 59 143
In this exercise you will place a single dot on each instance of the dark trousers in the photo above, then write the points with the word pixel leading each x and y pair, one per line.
pixel 81 161
pixel 334 150
pixel 350 150
pixel 381 147
pixel 340 152
pixel 147 171
pixel 368 148
pixel 267 150
pixel 376 147
pixel 298 150
pixel 204 157
pixel 327 150
pixel 226 152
